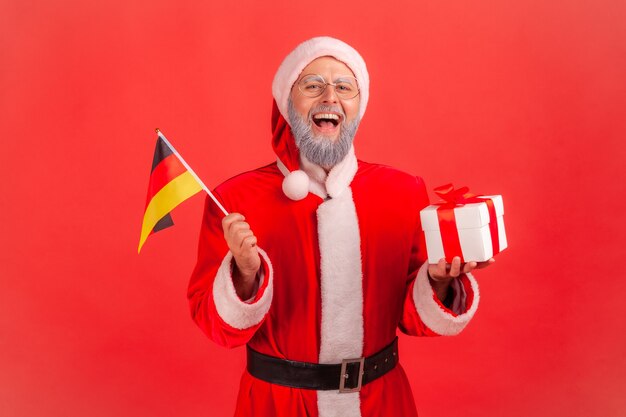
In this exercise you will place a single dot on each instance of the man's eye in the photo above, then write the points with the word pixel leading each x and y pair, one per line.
pixel 344 88
pixel 313 86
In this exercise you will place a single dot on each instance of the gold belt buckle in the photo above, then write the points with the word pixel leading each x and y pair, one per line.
pixel 344 375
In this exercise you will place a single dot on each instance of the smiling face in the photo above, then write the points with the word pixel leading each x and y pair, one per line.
pixel 327 113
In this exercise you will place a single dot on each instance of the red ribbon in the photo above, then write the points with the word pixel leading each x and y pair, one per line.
pixel 447 221
pixel 452 196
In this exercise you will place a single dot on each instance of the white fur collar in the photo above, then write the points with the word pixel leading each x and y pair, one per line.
pixel 331 184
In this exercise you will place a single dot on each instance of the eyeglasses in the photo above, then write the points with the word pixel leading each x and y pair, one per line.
pixel 314 85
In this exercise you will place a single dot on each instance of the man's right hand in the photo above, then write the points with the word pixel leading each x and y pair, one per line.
pixel 242 243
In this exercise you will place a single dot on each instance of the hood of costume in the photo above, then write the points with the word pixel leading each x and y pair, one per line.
pixel 296 184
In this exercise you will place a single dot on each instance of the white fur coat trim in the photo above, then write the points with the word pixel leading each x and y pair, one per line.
pixel 230 307
pixel 432 314
pixel 341 276
pixel 333 404
pixel 341 333
pixel 340 177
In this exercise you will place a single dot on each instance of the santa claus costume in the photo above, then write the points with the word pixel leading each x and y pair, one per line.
pixel 343 267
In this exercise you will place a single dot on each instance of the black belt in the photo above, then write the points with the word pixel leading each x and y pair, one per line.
pixel 347 376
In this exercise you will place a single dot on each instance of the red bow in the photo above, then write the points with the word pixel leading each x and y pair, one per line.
pixel 458 196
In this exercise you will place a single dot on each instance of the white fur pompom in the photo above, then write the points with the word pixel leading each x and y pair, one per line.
pixel 296 185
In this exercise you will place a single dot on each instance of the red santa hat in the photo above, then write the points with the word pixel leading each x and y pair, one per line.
pixel 296 183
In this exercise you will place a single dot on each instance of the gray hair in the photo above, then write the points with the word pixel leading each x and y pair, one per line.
pixel 317 148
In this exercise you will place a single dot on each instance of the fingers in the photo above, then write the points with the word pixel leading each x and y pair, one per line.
pixel 229 220
pixel 438 270
pixel 455 267
pixel 249 242
pixel 240 236
pixel 441 266
pixel 234 226
pixel 240 231
pixel 485 264
pixel 441 270
pixel 242 243
pixel 237 232
pixel 469 267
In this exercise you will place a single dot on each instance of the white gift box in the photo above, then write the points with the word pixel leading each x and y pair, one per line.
pixel 472 221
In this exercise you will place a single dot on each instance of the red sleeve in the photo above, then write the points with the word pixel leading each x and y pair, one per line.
pixel 214 304
pixel 423 314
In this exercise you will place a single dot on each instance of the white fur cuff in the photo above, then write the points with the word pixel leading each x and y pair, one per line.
pixel 433 314
pixel 235 312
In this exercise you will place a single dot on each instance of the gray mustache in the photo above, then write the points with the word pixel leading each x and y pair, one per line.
pixel 324 108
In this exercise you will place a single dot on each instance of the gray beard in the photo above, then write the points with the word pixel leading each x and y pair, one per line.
pixel 317 148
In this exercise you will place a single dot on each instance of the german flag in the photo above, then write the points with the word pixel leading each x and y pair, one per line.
pixel 171 183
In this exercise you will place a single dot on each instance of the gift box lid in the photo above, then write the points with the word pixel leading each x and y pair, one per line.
pixel 468 216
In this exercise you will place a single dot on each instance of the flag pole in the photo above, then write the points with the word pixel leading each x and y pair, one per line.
pixel 191 171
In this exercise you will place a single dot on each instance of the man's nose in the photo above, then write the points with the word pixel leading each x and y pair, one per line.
pixel 330 95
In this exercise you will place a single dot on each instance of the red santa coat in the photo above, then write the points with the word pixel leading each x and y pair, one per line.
pixel 343 270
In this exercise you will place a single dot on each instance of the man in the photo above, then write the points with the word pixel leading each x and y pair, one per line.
pixel 340 262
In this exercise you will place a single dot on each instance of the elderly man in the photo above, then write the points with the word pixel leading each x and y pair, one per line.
pixel 340 262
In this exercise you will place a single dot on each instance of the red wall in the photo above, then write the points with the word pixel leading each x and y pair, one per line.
pixel 523 98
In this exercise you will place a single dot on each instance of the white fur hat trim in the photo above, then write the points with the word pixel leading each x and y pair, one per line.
pixel 307 51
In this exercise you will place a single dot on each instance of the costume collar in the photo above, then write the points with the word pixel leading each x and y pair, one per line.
pixel 327 185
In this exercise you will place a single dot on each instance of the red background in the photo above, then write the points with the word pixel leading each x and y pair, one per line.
pixel 523 98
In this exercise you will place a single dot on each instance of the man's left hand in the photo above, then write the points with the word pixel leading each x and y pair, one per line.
pixel 441 274
pixel 442 271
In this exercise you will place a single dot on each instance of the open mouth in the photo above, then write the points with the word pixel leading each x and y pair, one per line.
pixel 327 120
